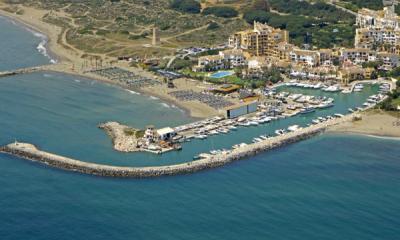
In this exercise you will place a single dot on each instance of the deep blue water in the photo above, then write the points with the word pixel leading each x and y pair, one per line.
pixel 328 187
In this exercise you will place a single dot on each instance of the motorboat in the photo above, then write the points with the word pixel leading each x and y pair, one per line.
pixel 334 88
pixel 326 105
pixel 200 136
pixel 307 110
pixel 256 140
pixel 293 128
pixel 232 127
pixel 280 131
pixel 253 123
pixel 264 137
pixel 315 121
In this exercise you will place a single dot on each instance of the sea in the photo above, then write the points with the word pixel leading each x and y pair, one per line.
pixel 329 187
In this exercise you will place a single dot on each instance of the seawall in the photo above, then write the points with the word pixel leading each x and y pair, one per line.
pixel 30 152
pixel 26 70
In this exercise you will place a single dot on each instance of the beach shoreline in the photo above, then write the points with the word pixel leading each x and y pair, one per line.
pixel 66 61
pixel 374 123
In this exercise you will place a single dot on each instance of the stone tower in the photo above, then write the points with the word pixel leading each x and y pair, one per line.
pixel 156 36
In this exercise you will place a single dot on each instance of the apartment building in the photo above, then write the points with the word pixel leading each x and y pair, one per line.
pixel 357 55
pixel 389 60
pixel 305 57
pixel 375 38
pixel 234 57
pixel 262 40
pixel 386 18
pixel 210 63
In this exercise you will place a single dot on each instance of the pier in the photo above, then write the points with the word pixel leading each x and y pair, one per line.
pixel 354 83
pixel 31 152
pixel 50 67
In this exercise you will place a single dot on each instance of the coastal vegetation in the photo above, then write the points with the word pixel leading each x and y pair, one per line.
pixel 188 6
pixel 122 28
pixel 355 5
pixel 319 24
pixel 225 12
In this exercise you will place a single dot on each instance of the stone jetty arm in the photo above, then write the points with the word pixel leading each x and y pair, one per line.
pixel 121 141
pixel 30 152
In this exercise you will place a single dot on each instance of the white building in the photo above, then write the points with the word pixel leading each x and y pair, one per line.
pixel 305 57
pixel 389 60
pixel 386 18
pixel 234 57
pixel 166 133
pixel 210 63
pixel 357 55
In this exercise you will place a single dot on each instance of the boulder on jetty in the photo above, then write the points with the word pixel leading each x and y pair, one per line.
pixel 357 117
pixel 124 138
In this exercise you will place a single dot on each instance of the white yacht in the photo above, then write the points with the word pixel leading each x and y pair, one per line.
pixel 280 131
pixel 264 137
pixel 334 88
pixel 200 136
pixel 293 128
pixel 315 121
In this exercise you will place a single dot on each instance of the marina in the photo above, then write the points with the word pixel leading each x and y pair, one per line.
pixel 216 158
pixel 345 189
pixel 285 110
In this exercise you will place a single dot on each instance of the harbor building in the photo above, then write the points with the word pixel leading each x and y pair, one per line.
pixel 241 109
pixel 166 134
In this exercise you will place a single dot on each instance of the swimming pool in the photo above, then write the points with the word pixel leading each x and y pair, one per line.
pixel 221 74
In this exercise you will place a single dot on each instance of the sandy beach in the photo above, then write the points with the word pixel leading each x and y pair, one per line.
pixel 374 122
pixel 196 109
pixel 69 60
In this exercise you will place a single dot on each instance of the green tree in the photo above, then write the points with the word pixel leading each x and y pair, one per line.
pixel 262 5
pixel 221 11
pixel 188 6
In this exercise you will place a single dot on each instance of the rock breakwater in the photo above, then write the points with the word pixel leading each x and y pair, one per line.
pixel 31 152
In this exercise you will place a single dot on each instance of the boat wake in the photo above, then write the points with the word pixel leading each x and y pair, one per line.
pixel 132 92
pixel 382 137
pixel 154 98
pixel 166 105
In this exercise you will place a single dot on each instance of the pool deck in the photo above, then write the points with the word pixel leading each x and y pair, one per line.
pixel 221 74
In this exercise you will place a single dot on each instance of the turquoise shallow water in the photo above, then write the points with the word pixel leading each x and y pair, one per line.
pixel 328 187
